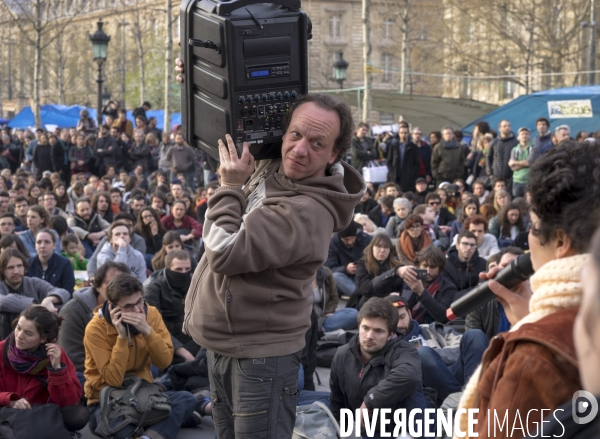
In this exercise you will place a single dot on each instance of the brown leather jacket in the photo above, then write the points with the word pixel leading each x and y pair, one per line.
pixel 533 368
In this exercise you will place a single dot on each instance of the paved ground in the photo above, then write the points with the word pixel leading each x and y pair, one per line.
pixel 206 430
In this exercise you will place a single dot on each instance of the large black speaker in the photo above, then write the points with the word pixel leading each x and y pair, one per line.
pixel 245 63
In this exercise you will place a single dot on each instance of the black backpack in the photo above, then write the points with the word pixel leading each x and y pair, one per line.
pixel 41 422
pixel 137 401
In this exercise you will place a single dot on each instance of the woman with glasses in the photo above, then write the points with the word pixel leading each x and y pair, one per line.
pixel 412 240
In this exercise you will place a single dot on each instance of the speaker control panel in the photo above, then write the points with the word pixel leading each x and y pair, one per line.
pixel 260 115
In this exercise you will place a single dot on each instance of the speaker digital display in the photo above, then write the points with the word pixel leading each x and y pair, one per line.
pixel 245 64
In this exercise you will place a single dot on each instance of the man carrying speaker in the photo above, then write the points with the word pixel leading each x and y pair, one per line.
pixel 266 233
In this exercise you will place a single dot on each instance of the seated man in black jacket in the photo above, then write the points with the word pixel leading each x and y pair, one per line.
pixel 381 214
pixel 166 290
pixel 367 203
pixel 464 263
pixel 448 359
pixel 345 249
pixel 376 369
pixel 430 298
pixel 491 318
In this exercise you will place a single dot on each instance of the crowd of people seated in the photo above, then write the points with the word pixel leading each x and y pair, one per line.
pixel 121 208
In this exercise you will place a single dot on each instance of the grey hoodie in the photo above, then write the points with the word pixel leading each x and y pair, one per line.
pixel 77 314
pixel 251 295
pixel 137 242
pixel 130 257
pixel 32 290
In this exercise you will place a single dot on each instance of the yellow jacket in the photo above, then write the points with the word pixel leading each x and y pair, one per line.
pixel 108 358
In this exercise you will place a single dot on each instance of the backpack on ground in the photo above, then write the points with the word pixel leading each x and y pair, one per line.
pixel 42 421
pixel 326 349
pixel 137 402
pixel 315 421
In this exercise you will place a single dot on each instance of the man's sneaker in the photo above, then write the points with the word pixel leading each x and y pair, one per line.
pixel 334 335
pixel 194 420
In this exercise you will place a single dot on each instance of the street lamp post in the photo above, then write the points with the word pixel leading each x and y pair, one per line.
pixel 105 97
pixel 99 44
pixel 592 46
pixel 340 67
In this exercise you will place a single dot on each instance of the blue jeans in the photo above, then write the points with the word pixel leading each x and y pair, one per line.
pixel 183 405
pixel 148 258
pixel 345 285
pixel 307 397
pixel 80 378
pixel 253 398
pixel 89 250
pixel 448 379
pixel 345 318
pixel 415 400
pixel 519 189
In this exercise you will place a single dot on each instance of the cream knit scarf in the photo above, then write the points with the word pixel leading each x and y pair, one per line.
pixel 555 286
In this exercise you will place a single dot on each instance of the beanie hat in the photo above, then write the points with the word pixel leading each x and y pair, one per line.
pixel 351 230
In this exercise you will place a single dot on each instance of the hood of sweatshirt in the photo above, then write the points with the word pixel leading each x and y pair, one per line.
pixel 508 138
pixel 450 145
pixel 87 297
pixel 339 192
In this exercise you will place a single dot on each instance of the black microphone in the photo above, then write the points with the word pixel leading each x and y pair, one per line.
pixel 517 271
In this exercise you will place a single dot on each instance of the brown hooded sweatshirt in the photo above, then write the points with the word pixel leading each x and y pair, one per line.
pixel 251 294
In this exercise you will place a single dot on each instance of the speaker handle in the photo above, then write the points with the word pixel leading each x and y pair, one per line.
pixel 226 8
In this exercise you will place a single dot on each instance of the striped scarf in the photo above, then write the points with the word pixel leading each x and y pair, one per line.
pixel 31 363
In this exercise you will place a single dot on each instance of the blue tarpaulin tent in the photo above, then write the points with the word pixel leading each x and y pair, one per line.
pixel 4 121
pixel 64 116
pixel 60 115
pixel 578 107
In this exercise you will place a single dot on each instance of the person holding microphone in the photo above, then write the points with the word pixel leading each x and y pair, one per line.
pixel 534 365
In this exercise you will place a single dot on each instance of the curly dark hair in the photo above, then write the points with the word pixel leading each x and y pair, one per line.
pixel 326 102
pixel 565 193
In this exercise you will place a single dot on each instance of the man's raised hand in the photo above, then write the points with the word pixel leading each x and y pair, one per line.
pixel 234 171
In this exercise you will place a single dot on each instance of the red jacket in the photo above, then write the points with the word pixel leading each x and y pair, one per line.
pixel 63 386
pixel 188 223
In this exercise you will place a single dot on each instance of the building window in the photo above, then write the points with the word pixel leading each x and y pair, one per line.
pixel 387 63
pixel 469 32
pixel 546 79
pixel 335 26
pixel 465 83
pixel 386 118
pixel 388 29
pixel 508 88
